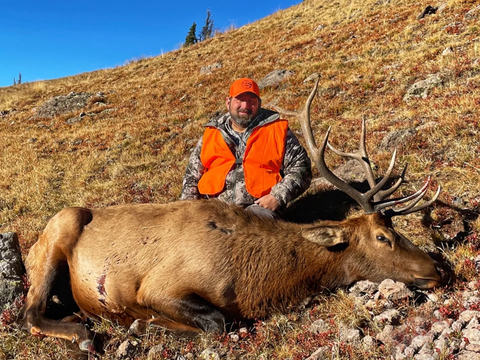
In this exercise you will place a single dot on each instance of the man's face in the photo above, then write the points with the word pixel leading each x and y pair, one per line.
pixel 243 108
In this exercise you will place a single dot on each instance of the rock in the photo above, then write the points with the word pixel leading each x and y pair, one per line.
pixel 155 352
pixel 447 51
pixel 63 104
pixel 138 327
pixel 274 78
pixel 388 317
pixel 467 316
pixel 319 326
pixel 396 139
pixel 320 353
pixel 386 336
pixel 393 290
pixel 209 69
pixel 468 355
pixel 471 339
pixel 312 77
pixel 438 327
pixel 368 342
pixel 352 170
pixel 127 349
pixel 473 14
pixel 349 335
pixel 209 355
pixel 12 269
pixel 364 287
pixel 421 340
pixel 422 88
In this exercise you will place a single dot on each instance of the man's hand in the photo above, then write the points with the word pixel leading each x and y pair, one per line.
pixel 268 202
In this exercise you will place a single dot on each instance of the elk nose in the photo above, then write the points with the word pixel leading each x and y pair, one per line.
pixel 444 272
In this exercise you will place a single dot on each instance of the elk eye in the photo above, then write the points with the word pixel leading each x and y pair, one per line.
pixel 382 238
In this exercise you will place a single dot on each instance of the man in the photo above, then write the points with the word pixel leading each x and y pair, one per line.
pixel 248 157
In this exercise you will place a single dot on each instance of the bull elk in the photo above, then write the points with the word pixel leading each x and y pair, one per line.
pixel 194 265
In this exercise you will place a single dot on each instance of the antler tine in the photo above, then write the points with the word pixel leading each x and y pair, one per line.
pixel 304 119
pixel 410 208
pixel 360 155
pixel 318 154
pixel 391 202
pixel 360 198
pixel 382 194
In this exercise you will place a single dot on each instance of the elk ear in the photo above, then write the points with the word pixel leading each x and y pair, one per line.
pixel 325 235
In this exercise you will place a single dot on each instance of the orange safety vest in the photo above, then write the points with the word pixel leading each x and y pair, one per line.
pixel 262 160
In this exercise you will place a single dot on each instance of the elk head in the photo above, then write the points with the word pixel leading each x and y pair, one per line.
pixel 380 251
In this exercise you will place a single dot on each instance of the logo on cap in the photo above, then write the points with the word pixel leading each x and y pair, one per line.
pixel 247 84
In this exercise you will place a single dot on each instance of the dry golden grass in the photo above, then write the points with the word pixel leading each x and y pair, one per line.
pixel 367 53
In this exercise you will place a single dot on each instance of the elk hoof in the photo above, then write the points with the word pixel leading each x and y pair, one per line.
pixel 88 346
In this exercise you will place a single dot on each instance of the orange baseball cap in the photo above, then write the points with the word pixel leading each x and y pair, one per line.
pixel 243 85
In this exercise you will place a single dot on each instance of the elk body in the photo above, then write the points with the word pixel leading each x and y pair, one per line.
pixel 195 265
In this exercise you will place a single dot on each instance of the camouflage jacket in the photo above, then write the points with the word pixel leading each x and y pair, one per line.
pixel 296 169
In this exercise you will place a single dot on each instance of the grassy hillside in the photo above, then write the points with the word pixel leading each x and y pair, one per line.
pixel 131 141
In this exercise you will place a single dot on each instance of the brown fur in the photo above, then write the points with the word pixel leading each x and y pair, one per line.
pixel 189 265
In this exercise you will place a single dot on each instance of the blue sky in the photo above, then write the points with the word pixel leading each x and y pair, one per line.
pixel 52 39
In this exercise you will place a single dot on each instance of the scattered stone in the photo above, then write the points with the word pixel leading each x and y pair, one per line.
pixel 467 316
pixel 127 349
pixel 319 326
pixel 468 355
pixel 427 125
pixel 422 88
pixel 386 336
pixel 395 139
pixel 368 342
pixel 274 78
pixel 477 263
pixel 447 51
pixel 349 335
pixel 209 355
pixel 364 287
pixel 11 269
pixel 320 353
pixel 63 104
pixel 399 352
pixel 138 327
pixel 155 352
pixel 390 316
pixel 471 339
pixel 473 14
pixel 209 69
pixel 420 341
pixel 312 77
pixel 352 170
pixel 393 290
pixel 438 327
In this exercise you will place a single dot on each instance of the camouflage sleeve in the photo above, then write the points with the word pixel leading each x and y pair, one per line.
pixel 193 173
pixel 297 172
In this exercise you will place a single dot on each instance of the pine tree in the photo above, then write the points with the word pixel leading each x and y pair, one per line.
pixel 207 30
pixel 19 78
pixel 191 36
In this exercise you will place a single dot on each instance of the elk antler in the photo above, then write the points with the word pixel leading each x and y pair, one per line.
pixel 373 199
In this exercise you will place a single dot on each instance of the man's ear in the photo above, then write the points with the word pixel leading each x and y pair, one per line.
pixel 227 102
pixel 325 235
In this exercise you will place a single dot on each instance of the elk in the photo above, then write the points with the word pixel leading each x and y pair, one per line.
pixel 192 266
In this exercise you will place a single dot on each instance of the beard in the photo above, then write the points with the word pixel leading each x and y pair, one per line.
pixel 243 119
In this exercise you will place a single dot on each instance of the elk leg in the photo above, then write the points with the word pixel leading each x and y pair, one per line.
pixel 189 313
pixel 47 270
